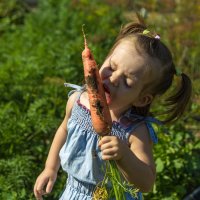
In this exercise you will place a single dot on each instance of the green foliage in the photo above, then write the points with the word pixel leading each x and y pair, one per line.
pixel 41 49
pixel 18 177
pixel 36 57
pixel 177 163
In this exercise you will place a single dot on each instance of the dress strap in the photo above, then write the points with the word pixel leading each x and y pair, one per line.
pixel 149 121
pixel 75 88
pixel 152 133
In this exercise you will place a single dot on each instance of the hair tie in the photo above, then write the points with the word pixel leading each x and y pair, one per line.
pixel 157 37
pixel 145 32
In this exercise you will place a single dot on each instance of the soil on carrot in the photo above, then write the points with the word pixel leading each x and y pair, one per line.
pixel 91 81
pixel 99 108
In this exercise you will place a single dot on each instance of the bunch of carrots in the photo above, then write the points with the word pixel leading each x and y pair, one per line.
pixel 102 124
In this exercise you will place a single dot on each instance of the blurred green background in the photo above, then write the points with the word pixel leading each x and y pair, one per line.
pixel 40 49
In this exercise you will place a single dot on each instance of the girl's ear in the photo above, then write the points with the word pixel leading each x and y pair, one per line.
pixel 144 100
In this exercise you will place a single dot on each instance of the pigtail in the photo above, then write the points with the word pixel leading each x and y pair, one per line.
pixel 177 103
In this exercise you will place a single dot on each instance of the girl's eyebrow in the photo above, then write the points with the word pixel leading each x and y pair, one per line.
pixel 131 76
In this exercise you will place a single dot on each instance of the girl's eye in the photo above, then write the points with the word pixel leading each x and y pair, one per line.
pixel 127 83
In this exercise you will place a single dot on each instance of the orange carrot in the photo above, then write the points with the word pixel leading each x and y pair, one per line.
pixel 100 114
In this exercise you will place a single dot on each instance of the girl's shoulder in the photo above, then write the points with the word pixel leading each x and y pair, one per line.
pixel 140 133
pixel 141 126
pixel 73 95
pixel 71 100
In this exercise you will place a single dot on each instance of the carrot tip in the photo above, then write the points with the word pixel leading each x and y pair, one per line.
pixel 85 41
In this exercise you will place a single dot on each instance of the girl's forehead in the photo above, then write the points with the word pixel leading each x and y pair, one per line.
pixel 126 54
pixel 125 45
pixel 131 51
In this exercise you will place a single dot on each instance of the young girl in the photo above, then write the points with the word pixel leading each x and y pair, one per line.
pixel 138 68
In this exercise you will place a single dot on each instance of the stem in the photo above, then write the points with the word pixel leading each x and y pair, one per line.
pixel 85 40
pixel 112 173
pixel 116 179
pixel 113 182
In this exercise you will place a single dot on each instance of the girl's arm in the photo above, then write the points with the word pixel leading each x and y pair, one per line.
pixel 135 161
pixel 49 174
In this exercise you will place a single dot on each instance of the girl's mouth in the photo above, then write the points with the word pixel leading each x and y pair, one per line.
pixel 107 93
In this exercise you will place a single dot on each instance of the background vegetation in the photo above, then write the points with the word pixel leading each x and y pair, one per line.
pixel 40 49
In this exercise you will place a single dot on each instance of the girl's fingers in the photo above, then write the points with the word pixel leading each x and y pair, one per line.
pixel 39 188
pixel 111 148
pixel 110 151
pixel 106 157
pixel 49 186
pixel 36 192
pixel 106 146
pixel 39 193
pixel 106 139
pixel 109 157
pixel 113 153
pixel 103 140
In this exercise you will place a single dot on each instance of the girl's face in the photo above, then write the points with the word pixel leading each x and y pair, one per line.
pixel 123 75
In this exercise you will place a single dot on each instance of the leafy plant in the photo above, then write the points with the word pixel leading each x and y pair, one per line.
pixel 41 49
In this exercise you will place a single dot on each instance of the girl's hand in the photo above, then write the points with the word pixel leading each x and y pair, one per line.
pixel 44 183
pixel 112 148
